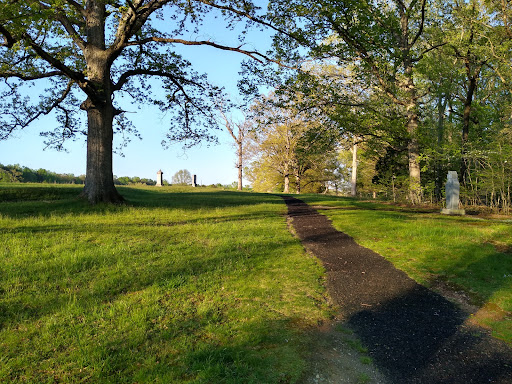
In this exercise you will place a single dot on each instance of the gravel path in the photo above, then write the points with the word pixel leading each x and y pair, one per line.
pixel 413 334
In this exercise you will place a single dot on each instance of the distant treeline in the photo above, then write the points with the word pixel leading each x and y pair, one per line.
pixel 19 174
pixel 126 180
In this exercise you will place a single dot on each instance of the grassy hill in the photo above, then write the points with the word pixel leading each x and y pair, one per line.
pixel 177 286
pixel 185 285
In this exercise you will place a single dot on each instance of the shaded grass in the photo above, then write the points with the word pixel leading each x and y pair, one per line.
pixel 188 286
pixel 466 253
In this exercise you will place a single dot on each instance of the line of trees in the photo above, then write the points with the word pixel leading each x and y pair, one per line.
pixel 19 174
pixel 408 88
pixel 416 88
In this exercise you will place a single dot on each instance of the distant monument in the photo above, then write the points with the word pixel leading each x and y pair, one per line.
pixel 194 181
pixel 452 195
pixel 159 178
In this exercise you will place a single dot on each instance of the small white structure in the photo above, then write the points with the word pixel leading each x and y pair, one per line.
pixel 452 195
pixel 159 179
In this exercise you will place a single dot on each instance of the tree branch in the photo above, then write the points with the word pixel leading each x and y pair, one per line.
pixel 9 40
pixel 123 79
pixel 77 6
pixel 20 76
pixel 73 75
pixel 422 24
pixel 247 15
pixel 259 57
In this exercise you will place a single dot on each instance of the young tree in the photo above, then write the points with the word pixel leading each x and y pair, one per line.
pixel 182 177
pixel 87 51
pixel 238 131
pixel 289 142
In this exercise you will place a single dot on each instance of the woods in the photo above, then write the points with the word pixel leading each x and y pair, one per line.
pixel 373 98
pixel 421 87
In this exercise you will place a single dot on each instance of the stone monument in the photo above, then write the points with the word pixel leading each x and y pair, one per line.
pixel 452 195
pixel 159 178
pixel 194 181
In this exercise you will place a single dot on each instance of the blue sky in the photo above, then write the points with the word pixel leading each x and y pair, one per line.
pixel 143 158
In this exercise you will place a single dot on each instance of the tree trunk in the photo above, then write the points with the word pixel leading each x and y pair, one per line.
pixel 99 181
pixel 413 148
pixel 353 179
pixel 297 181
pixel 411 103
pixel 240 162
pixel 99 178
pixel 413 151
pixel 466 121
pixel 286 178
pixel 441 108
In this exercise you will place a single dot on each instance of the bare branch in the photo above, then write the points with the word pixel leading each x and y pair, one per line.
pixel 259 57
pixel 20 76
pixel 422 24
pixel 123 79
pixel 45 111
pixel 246 15
pixel 420 56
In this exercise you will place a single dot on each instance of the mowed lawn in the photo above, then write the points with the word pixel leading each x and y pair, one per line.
pixel 177 286
pixel 468 254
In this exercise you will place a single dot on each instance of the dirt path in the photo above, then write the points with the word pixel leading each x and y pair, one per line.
pixel 412 334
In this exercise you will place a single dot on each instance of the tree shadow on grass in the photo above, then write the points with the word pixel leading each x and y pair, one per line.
pixel 413 334
pixel 46 201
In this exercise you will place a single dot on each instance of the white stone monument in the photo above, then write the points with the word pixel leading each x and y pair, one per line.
pixel 452 195
pixel 159 178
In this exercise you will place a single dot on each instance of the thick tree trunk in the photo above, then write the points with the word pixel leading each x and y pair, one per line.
pixel 99 181
pixel 353 179
pixel 466 121
pixel 413 148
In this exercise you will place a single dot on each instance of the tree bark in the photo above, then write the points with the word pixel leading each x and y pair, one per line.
pixel 441 108
pixel 411 103
pixel 297 180
pixel 99 181
pixel 466 121
pixel 286 178
pixel 353 179
pixel 240 161
pixel 413 148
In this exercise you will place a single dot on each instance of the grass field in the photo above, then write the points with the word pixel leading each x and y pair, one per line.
pixel 198 287
pixel 467 253
pixel 201 285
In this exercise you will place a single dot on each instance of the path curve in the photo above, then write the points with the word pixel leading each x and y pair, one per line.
pixel 414 335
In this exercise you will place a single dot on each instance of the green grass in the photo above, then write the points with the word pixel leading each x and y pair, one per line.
pixel 178 286
pixel 466 253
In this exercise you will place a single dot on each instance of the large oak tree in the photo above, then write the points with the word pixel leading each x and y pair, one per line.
pixel 87 51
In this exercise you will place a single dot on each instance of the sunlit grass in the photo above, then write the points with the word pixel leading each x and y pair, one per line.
pixel 467 253
pixel 177 286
